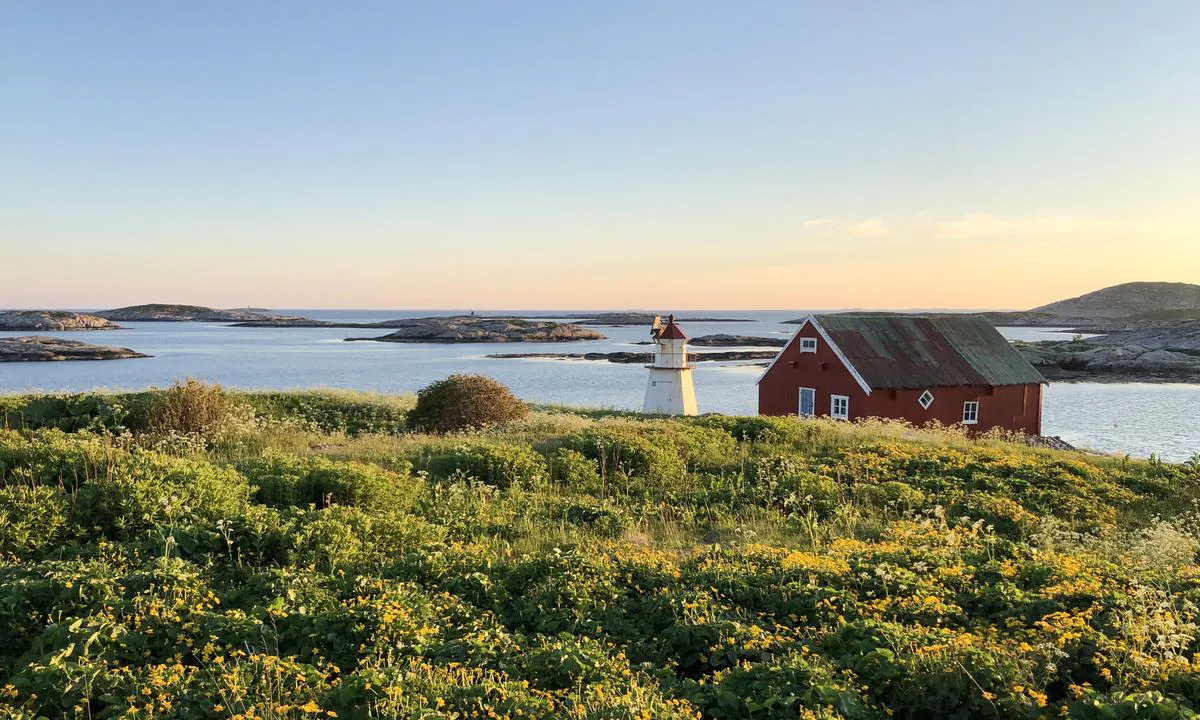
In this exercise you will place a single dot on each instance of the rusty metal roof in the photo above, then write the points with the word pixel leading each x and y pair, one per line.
pixel 908 351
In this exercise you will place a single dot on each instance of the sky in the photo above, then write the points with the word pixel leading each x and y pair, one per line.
pixel 660 154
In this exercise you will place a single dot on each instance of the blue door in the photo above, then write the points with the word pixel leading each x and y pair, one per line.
pixel 808 402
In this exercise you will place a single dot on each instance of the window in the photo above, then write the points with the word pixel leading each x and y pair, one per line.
pixel 839 407
pixel 926 399
pixel 970 412
pixel 808 345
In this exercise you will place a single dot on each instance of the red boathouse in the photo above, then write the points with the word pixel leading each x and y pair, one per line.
pixel 949 368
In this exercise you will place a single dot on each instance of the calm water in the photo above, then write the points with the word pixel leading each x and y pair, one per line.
pixel 1139 419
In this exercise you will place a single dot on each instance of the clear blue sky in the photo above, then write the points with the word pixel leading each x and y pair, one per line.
pixel 599 154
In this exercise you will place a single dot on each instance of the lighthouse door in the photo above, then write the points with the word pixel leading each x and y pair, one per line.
pixel 808 402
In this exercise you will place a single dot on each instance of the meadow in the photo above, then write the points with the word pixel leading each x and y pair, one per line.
pixel 198 553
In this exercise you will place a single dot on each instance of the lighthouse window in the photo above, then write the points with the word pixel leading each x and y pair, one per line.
pixel 808 345
pixel 970 412
pixel 839 407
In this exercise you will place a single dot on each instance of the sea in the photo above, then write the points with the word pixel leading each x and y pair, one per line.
pixel 1137 419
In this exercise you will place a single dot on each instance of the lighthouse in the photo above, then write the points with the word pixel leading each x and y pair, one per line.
pixel 669 390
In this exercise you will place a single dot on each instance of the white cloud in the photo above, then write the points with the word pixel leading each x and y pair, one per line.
pixel 817 222
pixel 873 227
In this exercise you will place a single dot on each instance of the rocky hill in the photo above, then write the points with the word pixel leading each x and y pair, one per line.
pixel 159 312
pixel 474 329
pixel 43 320
pixel 1127 300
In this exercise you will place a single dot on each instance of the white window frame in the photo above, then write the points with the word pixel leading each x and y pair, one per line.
pixel 921 400
pixel 970 418
pixel 833 404
pixel 800 404
pixel 808 345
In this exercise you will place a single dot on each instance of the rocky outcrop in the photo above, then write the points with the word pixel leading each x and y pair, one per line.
pixel 631 318
pixel 641 358
pixel 43 320
pixel 300 322
pixel 1143 355
pixel 722 340
pixel 1177 336
pixel 157 312
pixel 39 348
pixel 475 329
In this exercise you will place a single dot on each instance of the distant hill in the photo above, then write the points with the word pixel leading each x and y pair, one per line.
pixel 1128 300
pixel 159 312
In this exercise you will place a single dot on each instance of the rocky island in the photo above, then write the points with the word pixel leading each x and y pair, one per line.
pixel 475 329
pixel 631 318
pixel 640 358
pixel 39 348
pixel 722 340
pixel 159 312
pixel 43 320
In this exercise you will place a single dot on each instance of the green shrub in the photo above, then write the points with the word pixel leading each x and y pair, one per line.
pixel 465 402
pixel 30 518
pixel 755 429
pixel 284 481
pixel 620 449
pixel 189 407
pixel 72 412
pixel 335 411
pixel 52 457
pixel 786 481
pixel 566 662
pixel 603 520
pixel 574 470
pixel 151 489
pixel 496 464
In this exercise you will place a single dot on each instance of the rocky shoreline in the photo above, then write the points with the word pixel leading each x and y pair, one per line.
pixel 40 348
pixel 43 320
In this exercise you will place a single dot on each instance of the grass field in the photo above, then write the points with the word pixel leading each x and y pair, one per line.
pixel 194 553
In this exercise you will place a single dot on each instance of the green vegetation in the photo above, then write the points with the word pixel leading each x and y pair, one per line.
pixel 465 402
pixel 198 553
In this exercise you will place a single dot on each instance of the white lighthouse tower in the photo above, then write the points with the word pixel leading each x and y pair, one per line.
pixel 669 390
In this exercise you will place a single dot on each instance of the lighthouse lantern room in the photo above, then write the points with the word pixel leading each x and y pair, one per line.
pixel 669 390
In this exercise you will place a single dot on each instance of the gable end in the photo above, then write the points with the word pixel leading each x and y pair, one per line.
pixel 837 351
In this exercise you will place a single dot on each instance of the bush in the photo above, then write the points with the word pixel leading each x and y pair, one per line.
pixel 152 489
pixel 574 470
pixel 30 518
pixel 335 411
pixel 189 407
pixel 464 402
pixel 605 521
pixel 299 481
pixel 494 463
pixel 85 411
pixel 51 457
pixel 625 451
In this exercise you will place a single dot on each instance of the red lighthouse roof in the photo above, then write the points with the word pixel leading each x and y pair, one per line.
pixel 671 331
